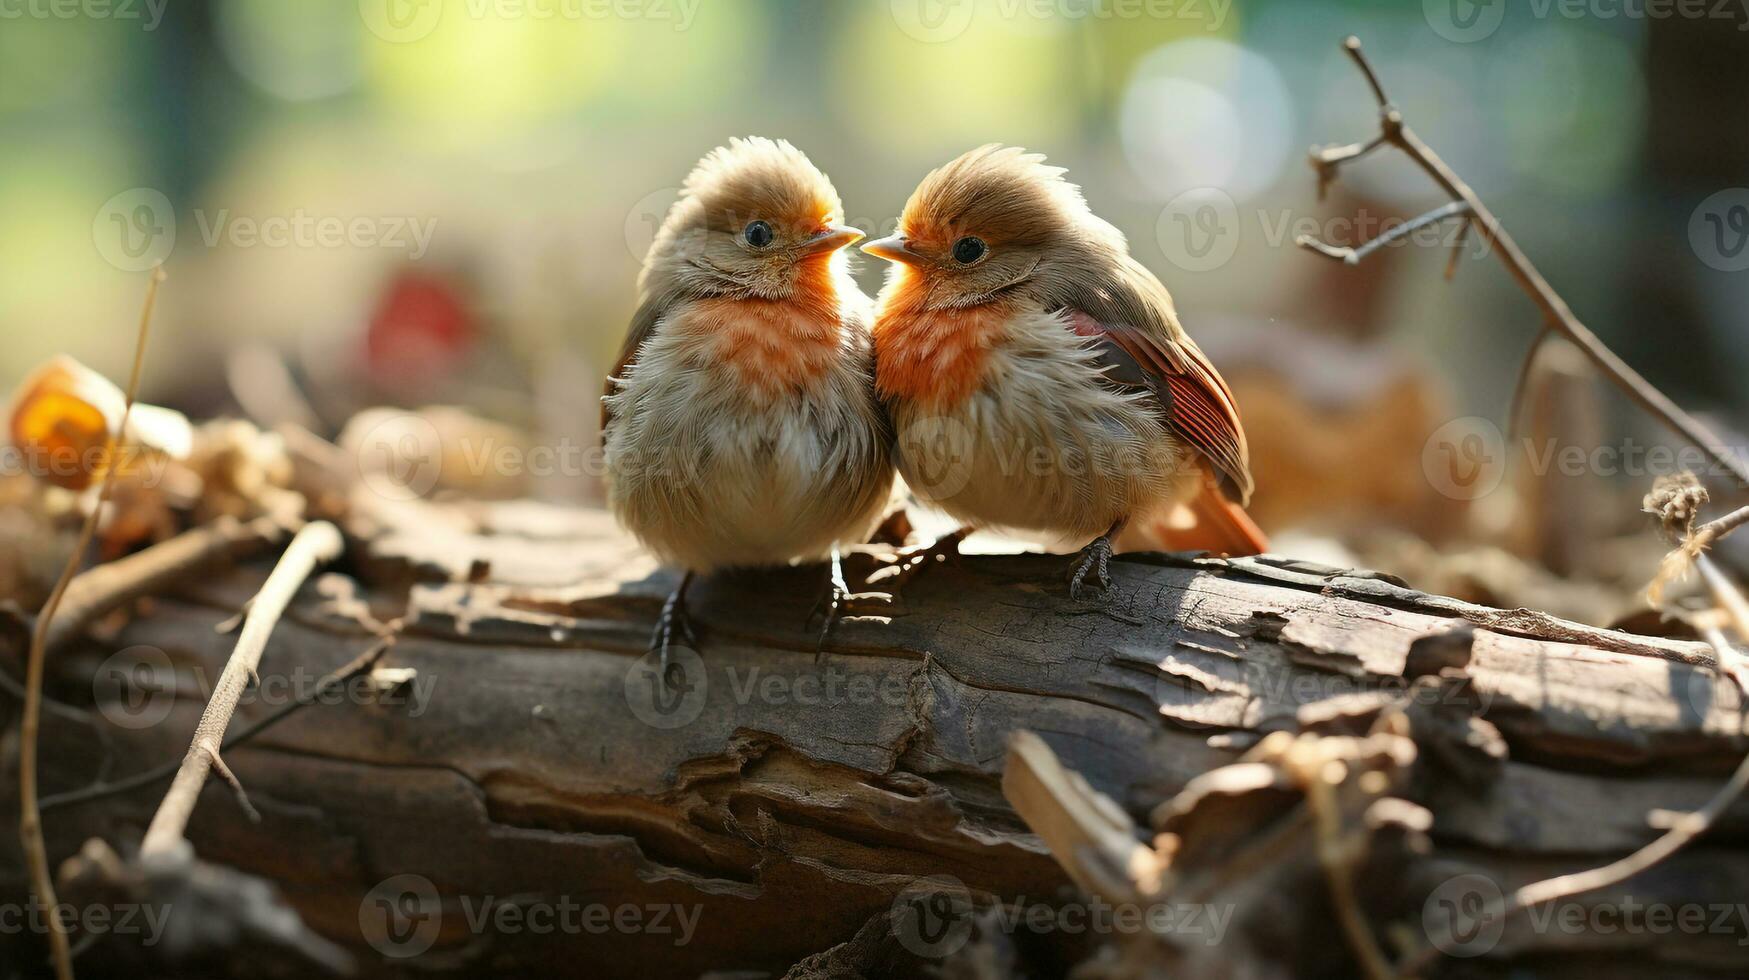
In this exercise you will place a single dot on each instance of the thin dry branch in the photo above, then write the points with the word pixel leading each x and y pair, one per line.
pixel 1712 531
pixel 30 830
pixel 1521 386
pixel 1318 772
pixel 317 543
pixel 1683 829
pixel 328 683
pixel 1732 664
pixel 1353 256
pixel 1674 501
pixel 1558 315
pixel 98 591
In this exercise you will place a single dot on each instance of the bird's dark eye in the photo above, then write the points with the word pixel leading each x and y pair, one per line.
pixel 968 250
pixel 758 234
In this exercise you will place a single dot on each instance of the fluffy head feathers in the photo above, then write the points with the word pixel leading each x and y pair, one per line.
pixel 757 178
pixel 1002 194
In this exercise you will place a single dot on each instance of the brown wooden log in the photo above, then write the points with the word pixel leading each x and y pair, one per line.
pixel 790 803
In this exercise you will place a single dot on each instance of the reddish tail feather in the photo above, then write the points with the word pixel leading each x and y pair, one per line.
pixel 1221 527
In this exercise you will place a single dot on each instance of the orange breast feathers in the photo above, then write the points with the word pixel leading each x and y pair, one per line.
pixel 773 346
pixel 933 357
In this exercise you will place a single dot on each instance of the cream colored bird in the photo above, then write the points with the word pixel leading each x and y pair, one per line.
pixel 740 426
pixel 1038 376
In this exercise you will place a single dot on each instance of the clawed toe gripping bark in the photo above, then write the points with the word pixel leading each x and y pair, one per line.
pixel 1095 560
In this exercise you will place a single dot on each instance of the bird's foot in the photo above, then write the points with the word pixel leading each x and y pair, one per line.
pixel 1095 561
pixel 673 622
pixel 836 601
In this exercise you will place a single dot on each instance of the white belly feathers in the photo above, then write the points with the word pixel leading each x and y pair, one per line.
pixel 707 476
pixel 1042 444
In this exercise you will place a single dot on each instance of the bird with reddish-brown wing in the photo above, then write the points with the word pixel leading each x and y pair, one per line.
pixel 1038 376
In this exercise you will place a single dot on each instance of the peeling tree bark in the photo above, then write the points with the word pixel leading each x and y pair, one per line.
pixel 787 802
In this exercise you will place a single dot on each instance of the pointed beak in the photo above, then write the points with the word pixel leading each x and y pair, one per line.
pixel 893 248
pixel 831 240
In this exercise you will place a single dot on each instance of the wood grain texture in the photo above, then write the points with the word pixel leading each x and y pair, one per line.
pixel 789 801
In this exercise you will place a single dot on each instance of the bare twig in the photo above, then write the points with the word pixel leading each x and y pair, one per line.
pixel 1521 386
pixel 1725 593
pixel 98 591
pixel 1675 501
pixel 1555 310
pixel 317 542
pixel 1353 256
pixel 327 683
pixel 1457 251
pixel 1731 663
pixel 1318 774
pixel 30 829
pixel 1684 828
pixel 1712 531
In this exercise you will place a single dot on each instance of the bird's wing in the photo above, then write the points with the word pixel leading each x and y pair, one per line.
pixel 1129 315
pixel 643 327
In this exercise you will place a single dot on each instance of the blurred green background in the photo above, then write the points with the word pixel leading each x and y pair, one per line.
pixel 285 159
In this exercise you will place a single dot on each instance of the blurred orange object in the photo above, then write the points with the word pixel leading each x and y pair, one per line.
pixel 63 414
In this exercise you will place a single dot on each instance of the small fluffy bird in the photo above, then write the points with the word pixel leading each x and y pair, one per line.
pixel 1037 375
pixel 740 427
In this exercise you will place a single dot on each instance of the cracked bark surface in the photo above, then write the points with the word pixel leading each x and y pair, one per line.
pixel 801 797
